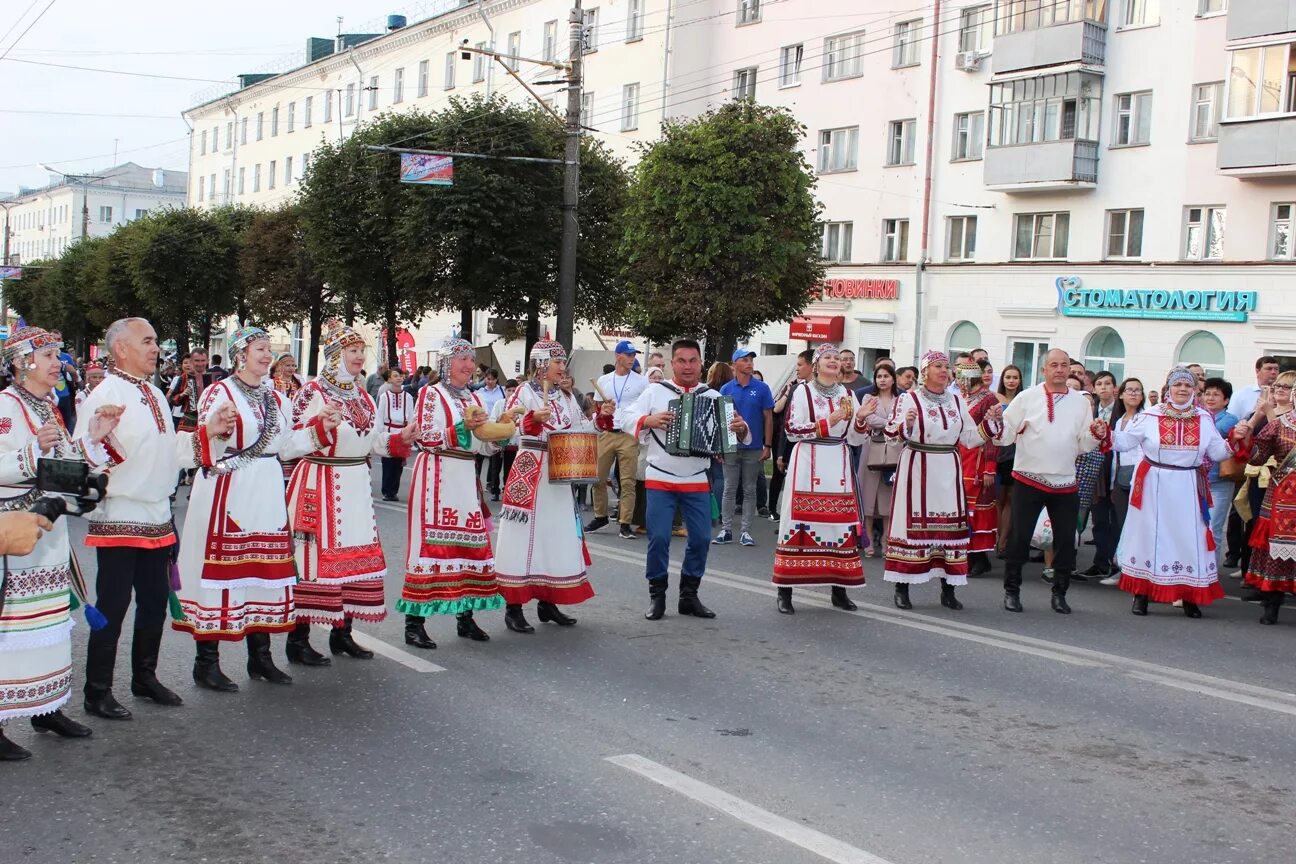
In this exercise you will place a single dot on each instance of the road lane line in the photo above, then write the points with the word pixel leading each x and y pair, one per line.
pixel 378 646
pixel 816 842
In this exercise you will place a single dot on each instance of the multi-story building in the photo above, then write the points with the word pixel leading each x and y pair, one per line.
pixel 1113 177
pixel 41 223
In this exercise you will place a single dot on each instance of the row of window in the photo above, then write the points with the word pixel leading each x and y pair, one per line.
pixel 51 247
pixel 37 218
pixel 1046 236
pixel 238 184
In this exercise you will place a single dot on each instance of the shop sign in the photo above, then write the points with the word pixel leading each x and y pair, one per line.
pixel 1175 304
pixel 817 328
pixel 860 289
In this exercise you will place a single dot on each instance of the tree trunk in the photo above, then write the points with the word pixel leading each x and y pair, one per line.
pixel 389 319
pixel 726 344
pixel 349 308
pixel 466 324
pixel 316 326
pixel 532 330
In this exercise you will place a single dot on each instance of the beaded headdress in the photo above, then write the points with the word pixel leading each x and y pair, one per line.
pixel 337 338
pixel 1180 373
pixel 825 349
pixel 451 348
pixel 545 351
pixel 240 339
pixel 28 340
pixel 929 358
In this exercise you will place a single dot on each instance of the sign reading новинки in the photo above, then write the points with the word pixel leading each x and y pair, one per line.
pixel 1158 303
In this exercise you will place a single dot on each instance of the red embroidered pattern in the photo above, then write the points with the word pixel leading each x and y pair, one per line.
pixel 1179 433
pixel 6 425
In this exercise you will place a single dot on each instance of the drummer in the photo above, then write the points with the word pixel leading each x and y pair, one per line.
pixel 541 554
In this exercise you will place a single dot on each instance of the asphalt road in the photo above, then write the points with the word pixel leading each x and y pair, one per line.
pixel 876 736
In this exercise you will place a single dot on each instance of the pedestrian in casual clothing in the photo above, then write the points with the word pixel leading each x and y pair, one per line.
pixel 1100 502
pixel 1215 395
pixel 1118 468
pixel 1010 384
pixel 718 375
pixel 490 394
pixel 804 369
pixel 374 383
pixel 617 445
pixel 876 475
pixel 753 401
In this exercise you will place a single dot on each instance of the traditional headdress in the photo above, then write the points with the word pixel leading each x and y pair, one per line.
pixel 451 348
pixel 546 351
pixel 337 338
pixel 1180 373
pixel 239 341
pixel 825 349
pixel 26 341
pixel 929 358
pixel 95 366
pixel 968 374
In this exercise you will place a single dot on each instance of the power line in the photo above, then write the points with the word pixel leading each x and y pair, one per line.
pixel 29 27
pixel 113 71
pixel 18 21
pixel 89 114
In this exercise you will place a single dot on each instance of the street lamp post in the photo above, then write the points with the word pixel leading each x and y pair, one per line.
pixel 84 180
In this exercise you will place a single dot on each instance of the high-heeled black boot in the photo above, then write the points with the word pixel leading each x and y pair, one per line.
pixel 515 620
pixel 1191 610
pixel 549 613
pixel 260 664
pixel 841 600
pixel 1061 582
pixel 1139 607
pixel 901 598
pixel 11 751
pixel 416 635
pixel 299 649
pixel 657 599
pixel 207 672
pixel 61 725
pixel 145 647
pixel 948 599
pixel 689 604
pixel 784 602
pixel 341 642
pixel 1273 601
pixel 467 628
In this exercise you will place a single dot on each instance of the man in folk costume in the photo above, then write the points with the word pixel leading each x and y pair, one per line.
pixel 819 527
pixel 927 533
pixel 395 412
pixel 980 466
pixel 1051 424
pixel 36 597
pixel 542 555
pixel 676 481
pixel 340 563
pixel 450 567
pixel 237 569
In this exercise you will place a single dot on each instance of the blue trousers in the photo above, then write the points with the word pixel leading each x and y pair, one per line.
pixel 696 509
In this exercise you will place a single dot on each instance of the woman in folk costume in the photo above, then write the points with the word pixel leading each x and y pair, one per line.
pixel 980 466
pixel 1166 550
pixel 284 377
pixel 542 555
pixel 340 564
pixel 819 523
pixel 450 567
pixel 928 531
pixel 236 554
pixel 1272 564
pixel 36 598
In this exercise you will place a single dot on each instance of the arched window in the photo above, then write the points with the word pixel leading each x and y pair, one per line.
pixel 1105 352
pixel 964 337
pixel 1205 349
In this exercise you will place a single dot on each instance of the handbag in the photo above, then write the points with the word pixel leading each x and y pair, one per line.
pixel 1232 469
pixel 882 455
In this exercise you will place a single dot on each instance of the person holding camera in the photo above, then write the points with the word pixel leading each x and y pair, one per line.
pixel 35 609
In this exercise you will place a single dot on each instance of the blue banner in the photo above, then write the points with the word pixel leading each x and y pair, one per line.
pixel 1076 301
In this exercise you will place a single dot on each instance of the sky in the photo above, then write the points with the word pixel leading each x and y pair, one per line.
pixel 75 120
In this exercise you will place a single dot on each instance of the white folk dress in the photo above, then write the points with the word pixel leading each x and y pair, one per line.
pixel 236 558
pixel 339 557
pixel 927 533
pixel 36 624
pixel 819 522
pixel 541 553
pixel 1166 551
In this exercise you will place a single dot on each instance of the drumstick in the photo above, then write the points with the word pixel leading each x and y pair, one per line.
pixel 599 390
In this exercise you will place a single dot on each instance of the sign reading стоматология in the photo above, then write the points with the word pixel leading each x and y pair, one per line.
pixel 1177 304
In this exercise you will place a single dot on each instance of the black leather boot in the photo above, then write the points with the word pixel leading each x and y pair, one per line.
pixel 299 649
pixel 207 672
pixel 11 752
pixel 549 613
pixel 1061 582
pixel 467 628
pixel 978 564
pixel 61 725
pixel 341 642
pixel 101 657
pixel 145 647
pixel 689 604
pixel 1139 606
pixel 260 663
pixel 948 600
pixel 785 601
pixel 1273 601
pixel 901 598
pixel 841 600
pixel 415 634
pixel 657 595
pixel 1191 610
pixel 515 620
pixel 105 705
pixel 1012 601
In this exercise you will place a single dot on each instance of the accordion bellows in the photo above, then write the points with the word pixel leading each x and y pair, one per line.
pixel 699 426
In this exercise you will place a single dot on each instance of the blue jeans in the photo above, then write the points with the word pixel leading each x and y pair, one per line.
pixel 1222 492
pixel 696 507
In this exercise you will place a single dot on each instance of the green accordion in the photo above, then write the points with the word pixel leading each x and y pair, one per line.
pixel 699 426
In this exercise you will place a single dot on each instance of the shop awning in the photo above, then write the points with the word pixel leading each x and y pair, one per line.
pixel 818 328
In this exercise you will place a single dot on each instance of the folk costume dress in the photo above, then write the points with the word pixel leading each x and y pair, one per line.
pixel 1273 539
pixel 542 555
pixel 1166 550
pixel 819 521
pixel 980 461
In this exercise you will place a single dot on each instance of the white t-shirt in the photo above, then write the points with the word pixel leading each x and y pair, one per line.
pixel 624 391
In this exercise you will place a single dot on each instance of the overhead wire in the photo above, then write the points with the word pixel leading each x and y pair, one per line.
pixel 34 22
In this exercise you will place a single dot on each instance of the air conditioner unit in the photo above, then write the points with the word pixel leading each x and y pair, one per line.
pixel 968 61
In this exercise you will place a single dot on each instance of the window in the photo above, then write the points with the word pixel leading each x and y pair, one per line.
pixel 423 79
pixel 634 20
pixel 1204 349
pixel 1256 78
pixel 837 149
pixel 328 106
pixel 1124 233
pixel 479 64
pixel 1205 111
pixel 976 28
pixel 260 125
pixel 514 50
pixel 306 112
pixel 749 11
pixel 211 186
pixel 790 65
pixel 215 138
pixel 961 245
pixel 629 107
pixel 450 70
pixel 1210 7
pixel 373 93
pixel 549 48
pixel 274 121
pixel 906 44
pixel 895 239
pixel 589 32
pixel 1027 356
pixel 305 164
pixel 288 175
pixel 844 56
pixel 1141 13
pixel 1203 233
pixel 587 109
pixel 241 180
pixel 1105 352
pixel 1062 107
pixel 203 147
pixel 225 185
pixel 969 135
pixel 1042 235
pixel 201 185
pixel 398 89
pixel 900 142
pixel 1133 119
pixel 837 241
pixel 229 135
pixel 1017 15
pixel 140 214
pixel 965 336
pixel 292 115
pixel 1280 235
pixel 243 130
pixel 256 178
pixel 744 83
pixel 272 174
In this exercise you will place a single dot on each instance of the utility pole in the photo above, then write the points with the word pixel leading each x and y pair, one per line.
pixel 571 183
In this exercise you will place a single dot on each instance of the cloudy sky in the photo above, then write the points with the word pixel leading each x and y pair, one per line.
pixel 74 119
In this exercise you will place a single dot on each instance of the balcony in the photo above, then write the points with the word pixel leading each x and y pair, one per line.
pixel 1045 166
pixel 1258 147
pixel 1248 19
pixel 1083 42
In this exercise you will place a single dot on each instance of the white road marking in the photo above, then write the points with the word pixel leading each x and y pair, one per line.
pixel 378 646
pixel 826 847
pixel 1181 679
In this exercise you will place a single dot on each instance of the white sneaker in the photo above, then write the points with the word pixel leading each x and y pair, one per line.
pixel 1110 580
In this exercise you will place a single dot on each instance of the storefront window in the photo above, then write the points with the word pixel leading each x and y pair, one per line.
pixel 964 337
pixel 1027 356
pixel 1105 352
pixel 1204 349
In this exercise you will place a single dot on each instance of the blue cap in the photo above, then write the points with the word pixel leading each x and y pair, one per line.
pixel 625 346
pixel 741 353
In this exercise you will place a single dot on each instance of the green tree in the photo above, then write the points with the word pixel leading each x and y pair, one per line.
pixel 52 293
pixel 233 222
pixel 722 233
